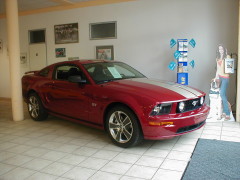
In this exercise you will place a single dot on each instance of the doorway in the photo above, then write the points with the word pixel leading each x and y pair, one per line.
pixel 37 49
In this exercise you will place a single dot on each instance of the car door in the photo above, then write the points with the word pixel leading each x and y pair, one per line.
pixel 67 98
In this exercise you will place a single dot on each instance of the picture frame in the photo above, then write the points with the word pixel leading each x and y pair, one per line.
pixel 66 33
pixel 105 52
pixel 103 30
pixel 23 58
pixel 229 66
pixel 60 52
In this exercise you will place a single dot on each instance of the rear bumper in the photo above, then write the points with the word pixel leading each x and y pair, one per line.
pixel 176 124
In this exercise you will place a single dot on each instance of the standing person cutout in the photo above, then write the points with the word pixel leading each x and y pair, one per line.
pixel 223 79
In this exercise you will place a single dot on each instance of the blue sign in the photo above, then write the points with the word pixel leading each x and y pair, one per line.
pixel 192 42
pixel 177 54
pixel 172 43
pixel 172 65
pixel 182 78
pixel 192 63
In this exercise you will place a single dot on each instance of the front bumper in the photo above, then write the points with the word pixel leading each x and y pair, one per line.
pixel 172 125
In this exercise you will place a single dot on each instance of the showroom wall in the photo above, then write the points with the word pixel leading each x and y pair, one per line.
pixel 144 30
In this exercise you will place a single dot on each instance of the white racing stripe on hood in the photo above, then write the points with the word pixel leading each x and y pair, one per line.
pixel 185 91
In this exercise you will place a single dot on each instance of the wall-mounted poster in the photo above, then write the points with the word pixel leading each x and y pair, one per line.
pixel 104 52
pixel 66 33
pixel 60 52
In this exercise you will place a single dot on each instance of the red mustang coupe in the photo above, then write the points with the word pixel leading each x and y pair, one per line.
pixel 113 96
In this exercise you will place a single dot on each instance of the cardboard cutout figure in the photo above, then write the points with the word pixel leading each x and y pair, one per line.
pixel 220 107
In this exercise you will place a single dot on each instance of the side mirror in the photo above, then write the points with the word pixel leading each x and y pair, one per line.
pixel 77 79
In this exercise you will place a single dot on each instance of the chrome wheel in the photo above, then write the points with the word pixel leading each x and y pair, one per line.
pixel 120 127
pixel 33 107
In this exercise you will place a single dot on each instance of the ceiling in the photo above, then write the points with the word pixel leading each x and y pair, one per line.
pixel 27 7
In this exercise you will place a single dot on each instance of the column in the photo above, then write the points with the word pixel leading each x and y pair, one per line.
pixel 14 58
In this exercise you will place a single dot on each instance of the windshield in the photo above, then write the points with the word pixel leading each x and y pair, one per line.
pixel 109 71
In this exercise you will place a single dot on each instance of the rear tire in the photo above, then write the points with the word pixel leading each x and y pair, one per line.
pixel 123 127
pixel 35 108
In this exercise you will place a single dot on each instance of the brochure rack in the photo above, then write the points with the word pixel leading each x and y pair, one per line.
pixel 182 70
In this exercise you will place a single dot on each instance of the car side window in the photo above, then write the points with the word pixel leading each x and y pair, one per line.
pixel 65 71
pixel 44 72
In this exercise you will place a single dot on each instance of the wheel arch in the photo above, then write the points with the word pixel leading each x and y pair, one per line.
pixel 31 91
pixel 114 104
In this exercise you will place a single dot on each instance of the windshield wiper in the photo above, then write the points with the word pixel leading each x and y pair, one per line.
pixel 109 80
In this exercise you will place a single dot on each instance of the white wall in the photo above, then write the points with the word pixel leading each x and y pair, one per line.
pixel 144 29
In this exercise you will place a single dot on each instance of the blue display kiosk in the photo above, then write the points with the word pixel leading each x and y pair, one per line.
pixel 182 71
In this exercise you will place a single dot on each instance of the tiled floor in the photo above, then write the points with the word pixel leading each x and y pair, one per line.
pixel 62 150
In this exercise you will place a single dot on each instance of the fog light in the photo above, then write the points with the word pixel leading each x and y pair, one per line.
pixel 181 106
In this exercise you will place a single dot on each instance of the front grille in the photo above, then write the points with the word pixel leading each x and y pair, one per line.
pixel 190 128
pixel 190 105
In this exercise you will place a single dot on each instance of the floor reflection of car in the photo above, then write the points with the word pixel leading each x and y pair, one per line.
pixel 113 96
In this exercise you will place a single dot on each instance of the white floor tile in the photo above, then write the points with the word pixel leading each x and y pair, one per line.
pixel 53 155
pixel 79 173
pixel 141 172
pixel 127 158
pixel 174 165
pixel 37 164
pixel 116 167
pixel 150 161
pixel 57 169
pixel 93 163
pixel 36 152
pixel 4 168
pixel 183 147
pixel 157 153
pixel 72 159
pixel 42 176
pixel 163 174
pixel 85 151
pixel 105 154
pixel 105 176
pixel 178 155
pixel 18 160
pixel 17 174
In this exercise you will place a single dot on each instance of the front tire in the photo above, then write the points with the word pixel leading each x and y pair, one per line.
pixel 123 127
pixel 35 108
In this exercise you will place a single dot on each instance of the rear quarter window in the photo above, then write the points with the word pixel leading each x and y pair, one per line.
pixel 44 72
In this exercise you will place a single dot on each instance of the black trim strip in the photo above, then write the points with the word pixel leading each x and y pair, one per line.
pixel 96 124
pixel 190 128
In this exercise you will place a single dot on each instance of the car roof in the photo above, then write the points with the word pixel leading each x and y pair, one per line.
pixel 83 61
pixel 90 61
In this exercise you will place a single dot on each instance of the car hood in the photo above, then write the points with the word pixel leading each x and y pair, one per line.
pixel 157 89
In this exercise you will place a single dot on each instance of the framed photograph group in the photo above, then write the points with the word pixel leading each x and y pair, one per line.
pixel 66 33
pixel 104 52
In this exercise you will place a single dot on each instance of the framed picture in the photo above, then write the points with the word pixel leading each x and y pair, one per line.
pixel 104 52
pixel 23 58
pixel 103 30
pixel 229 66
pixel 66 33
pixel 60 52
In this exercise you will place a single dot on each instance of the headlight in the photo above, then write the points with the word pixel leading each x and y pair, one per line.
pixel 161 109
pixel 181 106
pixel 201 100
